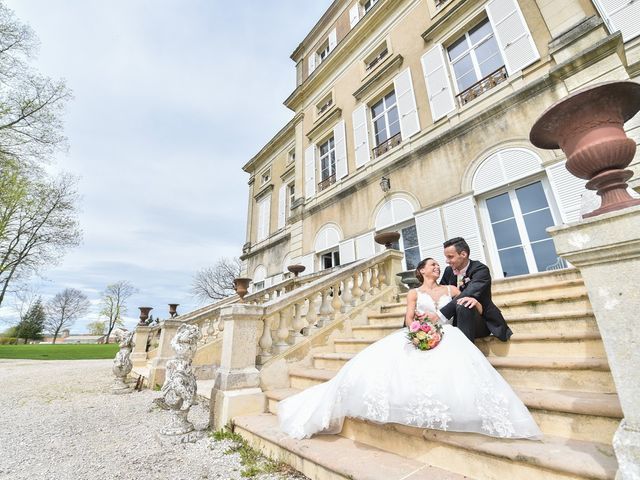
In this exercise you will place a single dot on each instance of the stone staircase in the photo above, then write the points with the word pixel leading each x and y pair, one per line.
pixel 555 361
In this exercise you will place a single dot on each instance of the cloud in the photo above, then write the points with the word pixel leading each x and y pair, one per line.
pixel 171 99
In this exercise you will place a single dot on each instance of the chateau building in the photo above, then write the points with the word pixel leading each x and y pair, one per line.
pixel 414 116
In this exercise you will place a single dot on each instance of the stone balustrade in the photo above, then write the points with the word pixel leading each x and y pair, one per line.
pixel 254 333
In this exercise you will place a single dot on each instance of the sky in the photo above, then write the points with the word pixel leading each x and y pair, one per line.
pixel 171 98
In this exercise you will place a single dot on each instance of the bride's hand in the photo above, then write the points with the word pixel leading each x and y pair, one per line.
pixel 432 317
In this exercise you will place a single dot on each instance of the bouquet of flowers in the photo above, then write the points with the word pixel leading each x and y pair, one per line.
pixel 424 334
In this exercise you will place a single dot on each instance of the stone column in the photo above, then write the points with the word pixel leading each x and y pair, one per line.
pixel 168 329
pixel 393 267
pixel 606 250
pixel 237 386
pixel 139 354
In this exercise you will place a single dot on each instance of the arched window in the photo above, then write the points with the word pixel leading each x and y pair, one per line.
pixel 259 275
pixel 503 167
pixel 397 214
pixel 326 246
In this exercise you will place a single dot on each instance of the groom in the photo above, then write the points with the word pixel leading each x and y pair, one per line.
pixel 474 281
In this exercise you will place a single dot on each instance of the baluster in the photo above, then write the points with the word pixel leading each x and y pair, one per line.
pixel 381 276
pixel 365 286
pixel 211 329
pixel 325 309
pixel 283 333
pixel 297 324
pixel 347 298
pixel 356 293
pixel 374 280
pixel 266 342
pixel 312 315
pixel 336 302
pixel 220 322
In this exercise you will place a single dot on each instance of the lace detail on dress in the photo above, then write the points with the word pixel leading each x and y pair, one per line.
pixel 426 412
pixel 376 400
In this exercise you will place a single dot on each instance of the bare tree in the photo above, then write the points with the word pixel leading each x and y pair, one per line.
pixel 30 104
pixel 114 306
pixel 64 309
pixel 214 283
pixel 40 226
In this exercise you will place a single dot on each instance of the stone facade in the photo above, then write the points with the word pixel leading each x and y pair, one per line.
pixel 459 152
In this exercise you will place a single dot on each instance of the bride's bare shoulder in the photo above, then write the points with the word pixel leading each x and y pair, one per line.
pixel 412 294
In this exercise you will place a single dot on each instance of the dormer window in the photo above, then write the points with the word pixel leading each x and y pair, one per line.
pixel 323 52
pixel 291 157
pixel 368 5
pixel 376 57
pixel 265 177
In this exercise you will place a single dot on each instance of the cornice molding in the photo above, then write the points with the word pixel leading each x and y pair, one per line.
pixel 277 141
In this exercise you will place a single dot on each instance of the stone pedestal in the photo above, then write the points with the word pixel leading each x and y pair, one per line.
pixel 237 385
pixel 139 354
pixel 165 352
pixel 606 250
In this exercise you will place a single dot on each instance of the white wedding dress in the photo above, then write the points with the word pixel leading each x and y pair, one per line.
pixel 452 387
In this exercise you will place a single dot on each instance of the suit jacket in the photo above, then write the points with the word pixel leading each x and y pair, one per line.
pixel 477 284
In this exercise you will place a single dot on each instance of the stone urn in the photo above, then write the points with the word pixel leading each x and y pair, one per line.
pixel 144 314
pixel 296 269
pixel 173 310
pixel 588 126
pixel 386 238
pixel 241 286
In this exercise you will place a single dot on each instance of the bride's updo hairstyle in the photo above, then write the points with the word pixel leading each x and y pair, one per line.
pixel 420 265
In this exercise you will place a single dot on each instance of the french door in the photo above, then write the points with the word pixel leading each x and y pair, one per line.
pixel 517 220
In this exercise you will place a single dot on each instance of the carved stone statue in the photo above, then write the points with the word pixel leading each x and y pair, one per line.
pixel 122 363
pixel 179 389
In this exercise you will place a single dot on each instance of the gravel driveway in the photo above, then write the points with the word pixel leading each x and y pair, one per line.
pixel 59 421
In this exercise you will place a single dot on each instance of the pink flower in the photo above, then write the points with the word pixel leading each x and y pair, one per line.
pixel 415 326
pixel 425 328
pixel 436 336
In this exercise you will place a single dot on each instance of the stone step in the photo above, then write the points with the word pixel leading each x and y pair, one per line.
pixel 577 415
pixel 374 332
pixel 535 280
pixel 556 373
pixel 333 457
pixel 576 321
pixel 553 373
pixel 520 344
pixel 585 458
pixel 544 345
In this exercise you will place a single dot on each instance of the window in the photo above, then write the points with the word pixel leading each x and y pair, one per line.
pixel 475 56
pixel 323 52
pixel 327 164
pixel 408 244
pixel 386 124
pixel 264 213
pixel 325 104
pixel 376 57
pixel 368 5
pixel 265 177
pixel 330 259
pixel 291 157
pixel 291 189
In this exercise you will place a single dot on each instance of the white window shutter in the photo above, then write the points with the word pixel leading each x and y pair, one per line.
pixel 621 15
pixel 431 235
pixel 567 190
pixel 333 39
pixel 354 15
pixel 365 246
pixel 407 109
pixel 361 135
pixel 347 251
pixel 436 77
pixel 503 167
pixel 310 171
pixel 513 35
pixel 309 262
pixel 312 63
pixel 282 206
pixel 340 150
pixel 268 282
pixel 460 220
pixel 264 211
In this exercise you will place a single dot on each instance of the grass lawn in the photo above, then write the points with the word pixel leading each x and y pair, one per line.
pixel 59 352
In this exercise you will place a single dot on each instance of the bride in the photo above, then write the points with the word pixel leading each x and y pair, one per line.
pixel 451 387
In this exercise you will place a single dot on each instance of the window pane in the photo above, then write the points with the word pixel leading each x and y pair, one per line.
pixel 409 237
pixel 463 70
pixel 394 124
pixel 480 31
pixel 545 254
pixel 458 48
pixel 377 109
pixel 537 224
pixel 331 143
pixel 499 207
pixel 379 127
pixel 412 257
pixel 532 197
pixel 506 234
pixel 513 262
pixel 488 57
pixel 336 259
pixel 390 99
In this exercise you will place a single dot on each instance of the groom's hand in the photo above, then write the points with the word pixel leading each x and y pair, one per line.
pixel 468 302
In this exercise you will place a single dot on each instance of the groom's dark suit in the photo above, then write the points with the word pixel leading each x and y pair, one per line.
pixel 477 284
